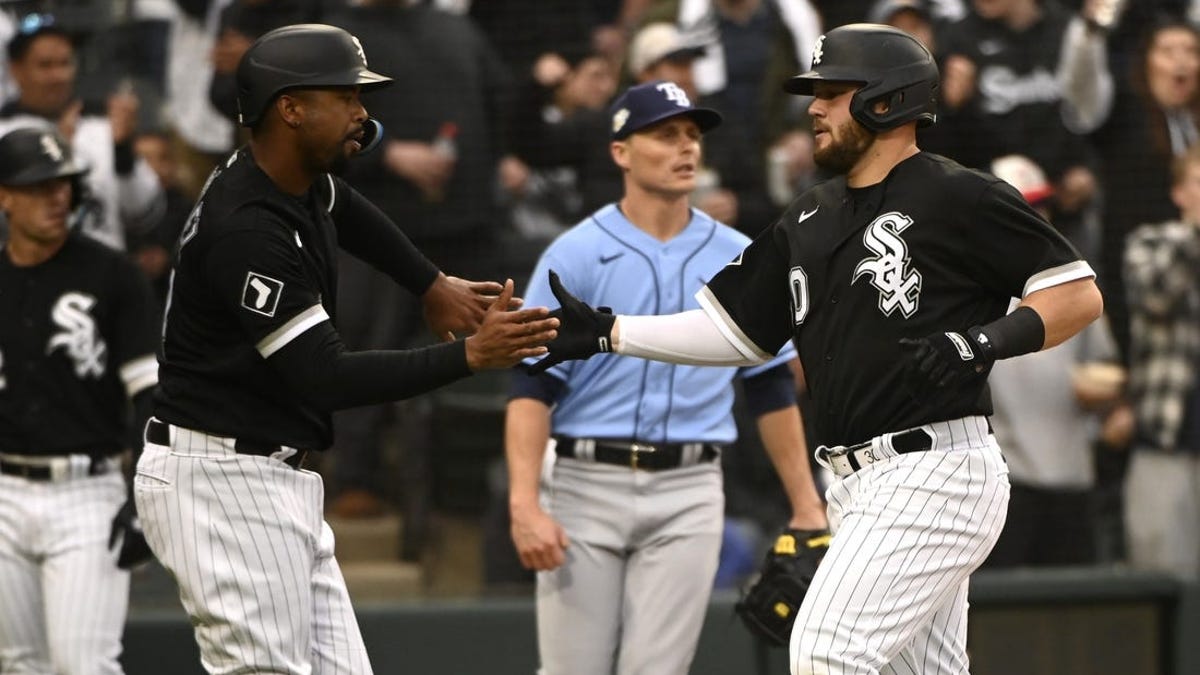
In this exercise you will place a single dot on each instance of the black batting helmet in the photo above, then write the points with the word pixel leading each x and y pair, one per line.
pixel 30 155
pixel 307 55
pixel 891 66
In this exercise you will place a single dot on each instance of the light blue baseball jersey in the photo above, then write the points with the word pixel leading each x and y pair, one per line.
pixel 606 261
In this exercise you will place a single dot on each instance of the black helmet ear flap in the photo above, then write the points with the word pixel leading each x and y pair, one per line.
pixel 372 135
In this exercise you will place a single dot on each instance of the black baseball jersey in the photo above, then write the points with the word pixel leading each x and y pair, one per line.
pixel 255 268
pixel 76 342
pixel 848 272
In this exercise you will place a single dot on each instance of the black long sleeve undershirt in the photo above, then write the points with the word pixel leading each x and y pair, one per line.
pixel 367 233
pixel 318 366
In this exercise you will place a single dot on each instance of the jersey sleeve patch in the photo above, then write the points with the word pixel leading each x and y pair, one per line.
pixel 260 294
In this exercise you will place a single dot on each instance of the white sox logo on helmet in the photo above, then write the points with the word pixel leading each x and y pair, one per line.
pixel 899 286
pixel 818 54
pixel 78 337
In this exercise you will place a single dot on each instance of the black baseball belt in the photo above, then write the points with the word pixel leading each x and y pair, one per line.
pixel 844 460
pixel 159 433
pixel 56 467
pixel 637 454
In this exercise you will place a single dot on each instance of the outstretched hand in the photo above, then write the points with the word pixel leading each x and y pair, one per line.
pixel 453 305
pixel 582 331
pixel 127 533
pixel 505 336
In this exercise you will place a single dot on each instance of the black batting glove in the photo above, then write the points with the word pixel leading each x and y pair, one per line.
pixel 127 533
pixel 943 360
pixel 582 331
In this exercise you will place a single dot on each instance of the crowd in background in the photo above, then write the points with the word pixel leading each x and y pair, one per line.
pixel 496 141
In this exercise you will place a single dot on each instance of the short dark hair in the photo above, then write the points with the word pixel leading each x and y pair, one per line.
pixel 30 28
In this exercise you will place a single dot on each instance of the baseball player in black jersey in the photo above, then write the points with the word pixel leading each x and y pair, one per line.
pixel 76 344
pixel 251 366
pixel 892 279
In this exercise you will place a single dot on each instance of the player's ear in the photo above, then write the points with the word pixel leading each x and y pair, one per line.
pixel 620 154
pixel 5 199
pixel 290 108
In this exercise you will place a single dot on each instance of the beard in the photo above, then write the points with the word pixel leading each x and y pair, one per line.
pixel 846 147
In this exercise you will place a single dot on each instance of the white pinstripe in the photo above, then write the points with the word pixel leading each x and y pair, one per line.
pixel 62 597
pixel 891 595
pixel 245 538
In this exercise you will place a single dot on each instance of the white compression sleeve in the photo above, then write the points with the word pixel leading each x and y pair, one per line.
pixel 689 338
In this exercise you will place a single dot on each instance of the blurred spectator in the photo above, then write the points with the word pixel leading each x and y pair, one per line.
pixel 731 186
pixel 1155 118
pixel 1048 410
pixel 123 193
pixel 152 250
pixel 561 87
pixel 241 23
pixel 1162 275
pixel 435 175
pixel 523 30
pixel 1029 77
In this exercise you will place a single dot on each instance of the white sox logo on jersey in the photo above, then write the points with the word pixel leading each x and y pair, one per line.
pixel 78 336
pixel 261 293
pixel 899 287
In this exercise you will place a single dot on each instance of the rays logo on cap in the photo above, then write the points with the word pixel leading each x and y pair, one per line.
pixel 674 94
pixel 619 119
pixel 51 147
pixel 817 52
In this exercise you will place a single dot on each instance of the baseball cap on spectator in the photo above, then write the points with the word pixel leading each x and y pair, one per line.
pixel 650 103
pixel 1025 175
pixel 29 28
pixel 883 10
pixel 658 42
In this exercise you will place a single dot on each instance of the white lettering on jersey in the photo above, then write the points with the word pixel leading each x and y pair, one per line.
pixel 1002 90
pixel 78 336
pixel 261 294
pixel 675 94
pixel 899 287
pixel 798 284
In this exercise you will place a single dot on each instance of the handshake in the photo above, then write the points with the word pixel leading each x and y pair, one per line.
pixel 573 331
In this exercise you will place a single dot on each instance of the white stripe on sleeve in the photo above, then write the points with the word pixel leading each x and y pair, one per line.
pixel 139 373
pixel 1058 275
pixel 280 337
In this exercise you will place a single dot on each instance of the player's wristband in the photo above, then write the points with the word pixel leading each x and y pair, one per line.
pixel 1020 332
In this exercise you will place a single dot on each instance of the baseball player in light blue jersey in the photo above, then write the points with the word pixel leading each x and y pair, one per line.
pixel 615 481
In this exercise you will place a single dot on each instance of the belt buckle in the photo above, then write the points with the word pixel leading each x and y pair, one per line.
pixel 634 449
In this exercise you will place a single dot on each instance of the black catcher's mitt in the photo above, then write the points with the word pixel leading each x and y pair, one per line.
pixel 769 606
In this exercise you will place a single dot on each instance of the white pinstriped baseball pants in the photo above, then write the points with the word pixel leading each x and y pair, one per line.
pixel 890 596
pixel 245 538
pixel 62 597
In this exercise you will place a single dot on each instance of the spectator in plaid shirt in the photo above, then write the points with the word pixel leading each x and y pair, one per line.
pixel 1162 490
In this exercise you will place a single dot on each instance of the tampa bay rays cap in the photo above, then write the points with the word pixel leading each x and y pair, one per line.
pixel 650 103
